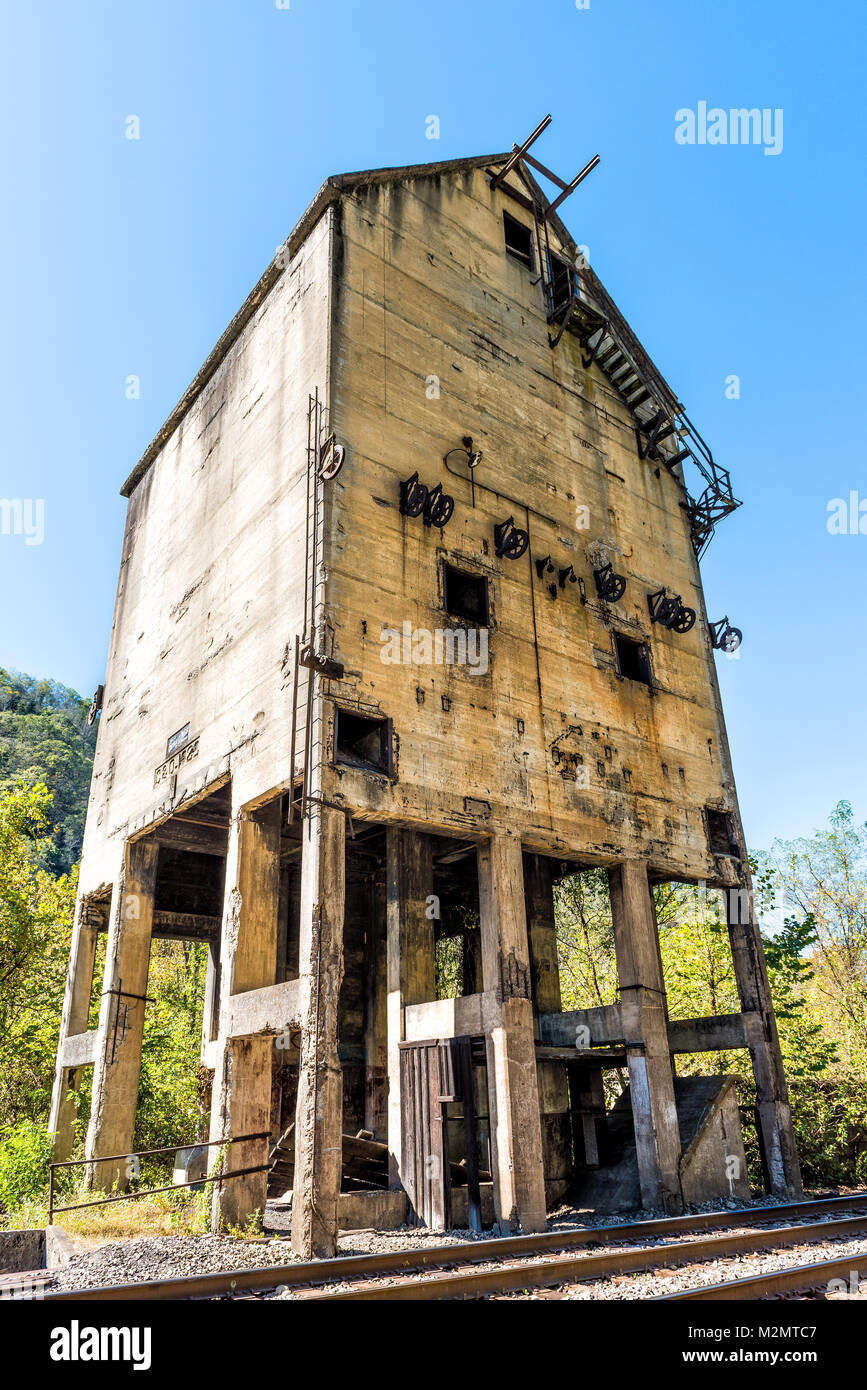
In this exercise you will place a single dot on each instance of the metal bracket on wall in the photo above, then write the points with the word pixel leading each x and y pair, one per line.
pixel 670 612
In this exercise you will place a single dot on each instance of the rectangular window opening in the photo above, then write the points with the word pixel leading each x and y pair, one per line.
pixel 562 279
pixel 465 595
pixel 360 741
pixel 720 833
pixel 633 659
pixel 519 240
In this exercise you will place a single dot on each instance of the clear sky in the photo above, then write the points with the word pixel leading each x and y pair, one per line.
pixel 124 257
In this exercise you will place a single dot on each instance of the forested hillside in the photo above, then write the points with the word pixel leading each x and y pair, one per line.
pixel 45 738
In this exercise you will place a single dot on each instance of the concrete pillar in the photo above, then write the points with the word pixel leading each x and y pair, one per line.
pixel 411 960
pixel 319 1111
pixel 516 1135
pixel 651 1077
pixel 376 1014
pixel 542 933
pixel 241 1098
pixel 773 1115
pixel 121 1019
pixel 211 1008
pixel 76 1006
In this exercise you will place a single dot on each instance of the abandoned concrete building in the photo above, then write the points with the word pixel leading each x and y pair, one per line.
pixel 410 626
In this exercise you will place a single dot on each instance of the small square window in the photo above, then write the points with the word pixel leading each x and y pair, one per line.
pixel 562 280
pixel 465 595
pixel 519 240
pixel 720 834
pixel 363 742
pixel 633 659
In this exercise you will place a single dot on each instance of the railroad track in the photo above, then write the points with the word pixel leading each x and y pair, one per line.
pixel 515 1263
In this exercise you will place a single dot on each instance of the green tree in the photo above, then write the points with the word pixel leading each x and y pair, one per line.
pixel 35 927
pixel 45 738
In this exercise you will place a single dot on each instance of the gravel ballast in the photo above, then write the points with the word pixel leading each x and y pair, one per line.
pixel 169 1257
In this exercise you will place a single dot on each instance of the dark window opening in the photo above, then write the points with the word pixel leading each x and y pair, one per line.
pixel 465 595
pixel 362 742
pixel 562 283
pixel 519 240
pixel 633 659
pixel 720 834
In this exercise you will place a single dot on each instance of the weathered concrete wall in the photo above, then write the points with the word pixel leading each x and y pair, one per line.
pixel 21 1250
pixel 715 1165
pixel 211 582
pixel 428 290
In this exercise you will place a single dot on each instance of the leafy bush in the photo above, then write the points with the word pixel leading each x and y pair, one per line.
pixel 25 1153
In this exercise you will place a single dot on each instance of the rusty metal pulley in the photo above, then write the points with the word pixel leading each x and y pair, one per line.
pixel 724 637
pixel 510 542
pixel 431 503
pixel 609 586
pixel 413 496
pixel 670 612
pixel 439 507
pixel 332 457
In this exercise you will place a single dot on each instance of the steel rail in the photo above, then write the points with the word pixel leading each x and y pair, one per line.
pixel 469 1284
pixel 329 1271
pixel 796 1279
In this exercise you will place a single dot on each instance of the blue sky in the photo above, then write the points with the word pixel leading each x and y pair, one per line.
pixel 124 257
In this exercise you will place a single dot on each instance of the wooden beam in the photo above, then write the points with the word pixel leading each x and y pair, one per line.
pixel 200 839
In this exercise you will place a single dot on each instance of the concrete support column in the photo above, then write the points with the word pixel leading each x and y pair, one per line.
pixel 651 1077
pixel 241 1099
pixel 773 1115
pixel 410 958
pixel 376 1014
pixel 542 933
pixel 211 1009
pixel 121 1019
pixel 319 1111
pixel 76 1006
pixel 516 1135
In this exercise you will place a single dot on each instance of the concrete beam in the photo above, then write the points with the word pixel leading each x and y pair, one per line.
pixel 272 1010
pixel 472 1014
pixel 718 1033
pixel 79 1050
pixel 583 1027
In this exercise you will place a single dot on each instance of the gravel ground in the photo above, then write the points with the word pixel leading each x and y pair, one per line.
pixel 677 1279
pixel 169 1257
pixel 640 1285
pixel 166 1257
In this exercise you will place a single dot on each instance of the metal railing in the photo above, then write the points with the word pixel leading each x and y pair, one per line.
pixel 147 1153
